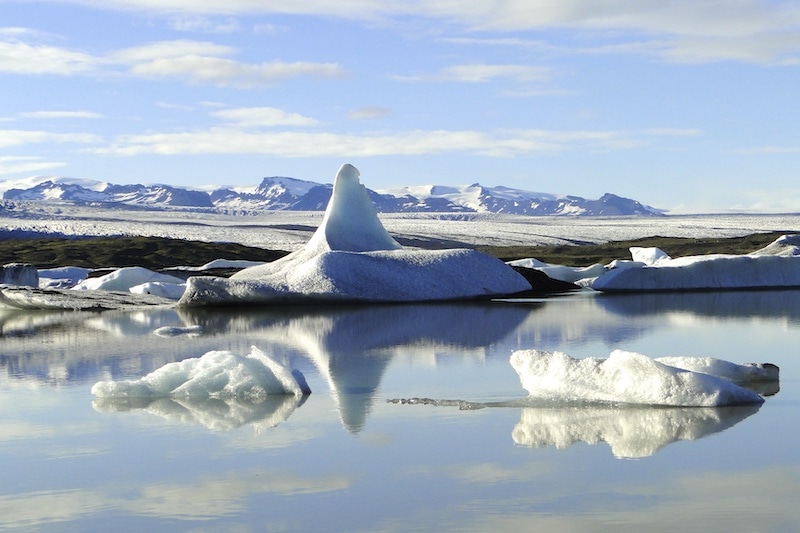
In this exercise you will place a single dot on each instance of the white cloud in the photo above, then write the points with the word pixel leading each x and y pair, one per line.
pixel 196 23
pixel 368 113
pixel 501 143
pixel 483 72
pixel 21 137
pixel 17 57
pixel 16 165
pixel 61 114
pixel 194 61
pixel 253 117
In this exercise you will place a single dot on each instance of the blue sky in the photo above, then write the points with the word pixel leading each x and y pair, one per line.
pixel 687 106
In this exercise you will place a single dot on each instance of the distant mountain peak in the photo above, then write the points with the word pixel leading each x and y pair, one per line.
pixel 286 193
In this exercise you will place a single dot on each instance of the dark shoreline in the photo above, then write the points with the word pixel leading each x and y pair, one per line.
pixel 157 252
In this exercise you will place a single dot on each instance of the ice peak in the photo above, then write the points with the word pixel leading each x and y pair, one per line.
pixel 351 221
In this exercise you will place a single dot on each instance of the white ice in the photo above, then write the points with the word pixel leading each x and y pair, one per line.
pixel 627 378
pixel 217 374
pixel 352 257
pixel 561 272
pixel 775 266
pixel 137 280
pixel 62 277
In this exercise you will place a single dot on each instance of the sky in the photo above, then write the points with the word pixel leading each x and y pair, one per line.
pixel 689 106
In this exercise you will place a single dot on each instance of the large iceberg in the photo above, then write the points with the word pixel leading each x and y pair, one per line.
pixel 634 379
pixel 775 266
pixel 351 257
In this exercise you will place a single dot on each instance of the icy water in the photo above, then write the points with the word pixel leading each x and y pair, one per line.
pixel 346 459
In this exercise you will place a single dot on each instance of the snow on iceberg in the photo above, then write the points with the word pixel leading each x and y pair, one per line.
pixel 352 257
pixel 217 374
pixel 624 378
pixel 775 266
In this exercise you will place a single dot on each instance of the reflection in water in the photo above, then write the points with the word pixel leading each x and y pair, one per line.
pixel 351 347
pixel 741 304
pixel 213 413
pixel 631 432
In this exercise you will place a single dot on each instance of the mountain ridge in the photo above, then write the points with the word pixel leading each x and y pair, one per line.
pixel 286 193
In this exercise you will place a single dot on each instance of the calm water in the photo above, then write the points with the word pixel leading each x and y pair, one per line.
pixel 345 459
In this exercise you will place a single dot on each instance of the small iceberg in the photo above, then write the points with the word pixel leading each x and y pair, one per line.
pixel 137 280
pixel 217 374
pixel 634 379
pixel 351 257
pixel 651 269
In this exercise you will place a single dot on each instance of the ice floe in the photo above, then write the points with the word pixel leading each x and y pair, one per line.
pixel 124 279
pixel 217 374
pixel 633 379
pixel 774 266
pixel 352 257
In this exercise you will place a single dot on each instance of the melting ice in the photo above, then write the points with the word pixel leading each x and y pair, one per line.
pixel 217 374
pixel 631 378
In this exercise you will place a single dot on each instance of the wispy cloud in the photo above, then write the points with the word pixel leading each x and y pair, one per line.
pixel 482 72
pixel 61 114
pixel 21 137
pixel 369 113
pixel 497 143
pixel 20 164
pixel 193 61
pixel 254 117
pixel 756 31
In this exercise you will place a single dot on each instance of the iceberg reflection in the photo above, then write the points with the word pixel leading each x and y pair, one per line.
pixel 213 413
pixel 633 432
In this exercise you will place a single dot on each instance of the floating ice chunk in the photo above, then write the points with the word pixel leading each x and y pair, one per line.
pixel 172 291
pixel 775 266
pixel 62 277
pixel 561 272
pixel 174 331
pixel 648 256
pixel 217 374
pixel 352 257
pixel 744 373
pixel 625 378
pixel 19 274
pixel 125 278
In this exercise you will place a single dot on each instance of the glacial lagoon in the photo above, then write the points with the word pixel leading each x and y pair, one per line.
pixel 348 457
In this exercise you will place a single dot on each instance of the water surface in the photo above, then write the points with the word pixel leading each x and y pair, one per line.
pixel 346 459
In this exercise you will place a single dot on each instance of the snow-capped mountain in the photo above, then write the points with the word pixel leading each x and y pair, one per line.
pixel 284 193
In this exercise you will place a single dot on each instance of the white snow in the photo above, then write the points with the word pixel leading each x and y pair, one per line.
pixel 775 266
pixel 626 378
pixel 217 374
pixel 351 256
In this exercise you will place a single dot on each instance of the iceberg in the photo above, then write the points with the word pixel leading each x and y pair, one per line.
pixel 127 278
pixel 217 374
pixel 351 257
pixel 629 378
pixel 19 274
pixel 774 266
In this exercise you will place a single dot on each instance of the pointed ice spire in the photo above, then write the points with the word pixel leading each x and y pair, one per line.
pixel 351 221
